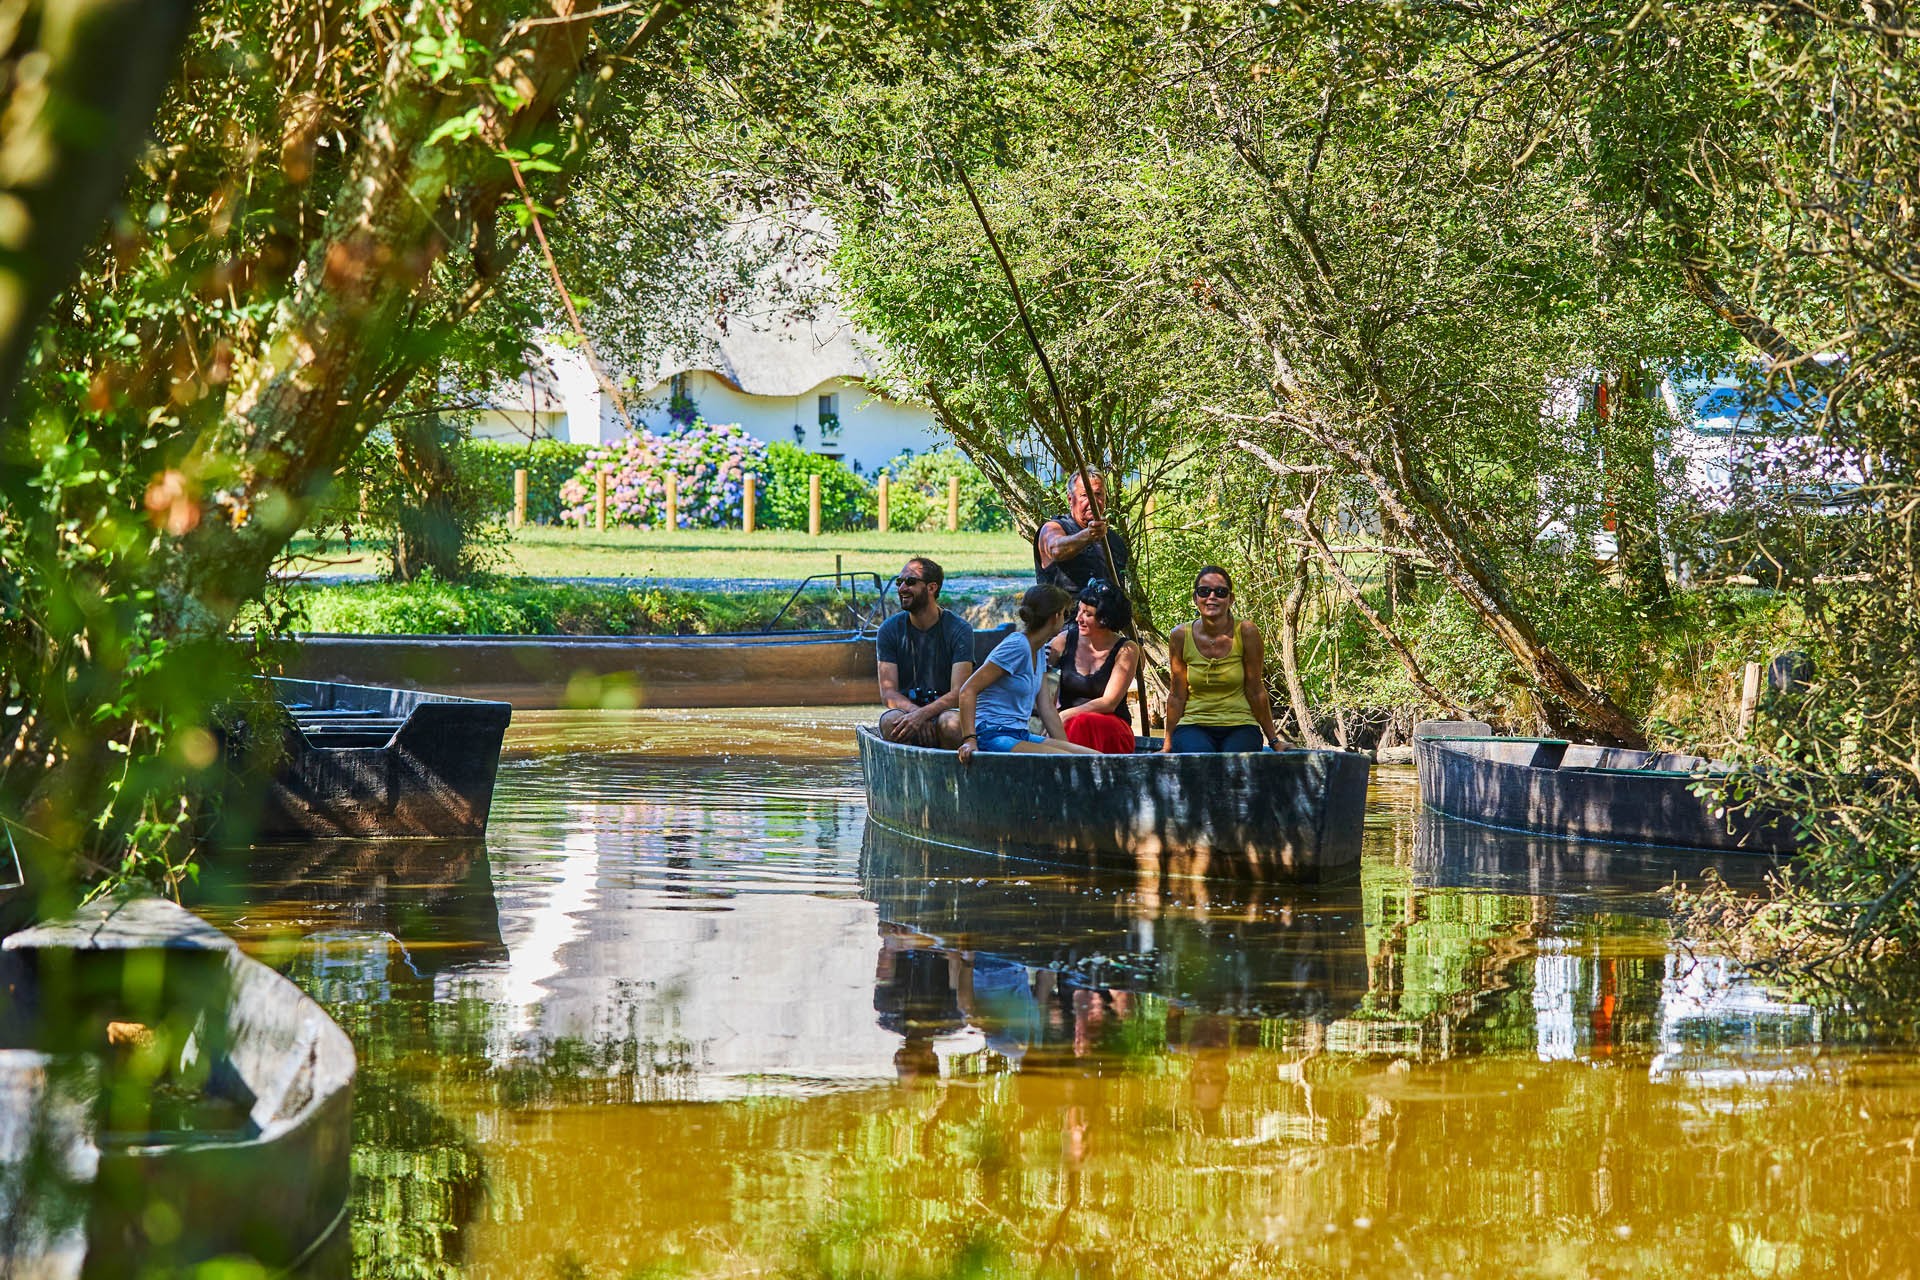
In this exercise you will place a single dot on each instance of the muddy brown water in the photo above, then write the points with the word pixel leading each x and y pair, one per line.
pixel 682 1013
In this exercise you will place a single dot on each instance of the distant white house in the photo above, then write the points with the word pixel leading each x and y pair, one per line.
pixel 808 379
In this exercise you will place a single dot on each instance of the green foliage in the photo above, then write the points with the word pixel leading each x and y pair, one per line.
pixel 845 500
pixel 488 467
pixel 530 607
pixel 917 498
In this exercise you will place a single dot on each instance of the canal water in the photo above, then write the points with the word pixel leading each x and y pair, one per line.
pixel 684 1013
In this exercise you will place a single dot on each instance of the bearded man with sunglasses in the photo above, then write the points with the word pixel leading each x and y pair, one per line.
pixel 926 654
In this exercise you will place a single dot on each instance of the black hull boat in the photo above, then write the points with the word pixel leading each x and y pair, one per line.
pixel 1260 816
pixel 1549 787
pixel 373 763
pixel 773 669
pixel 168 1078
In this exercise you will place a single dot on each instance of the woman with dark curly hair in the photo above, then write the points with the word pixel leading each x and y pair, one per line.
pixel 1097 663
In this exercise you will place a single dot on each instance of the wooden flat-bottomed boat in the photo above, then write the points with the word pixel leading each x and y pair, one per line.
pixel 193 1104
pixel 376 763
pixel 1550 787
pixel 770 669
pixel 1259 816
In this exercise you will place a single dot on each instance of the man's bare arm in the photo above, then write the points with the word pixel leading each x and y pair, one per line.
pixel 890 695
pixel 1056 544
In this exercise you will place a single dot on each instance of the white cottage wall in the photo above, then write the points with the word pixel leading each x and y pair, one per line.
pixel 873 428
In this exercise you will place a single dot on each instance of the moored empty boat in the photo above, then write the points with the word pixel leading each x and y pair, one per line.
pixel 1552 787
pixel 191 1104
pixel 377 763
pixel 1289 815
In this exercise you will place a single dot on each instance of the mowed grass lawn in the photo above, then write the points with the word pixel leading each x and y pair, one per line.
pixel 542 551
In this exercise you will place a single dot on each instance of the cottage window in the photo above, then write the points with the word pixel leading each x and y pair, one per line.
pixel 829 410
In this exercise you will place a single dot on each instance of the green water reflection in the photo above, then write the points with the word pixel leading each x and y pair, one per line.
pixel 691 1016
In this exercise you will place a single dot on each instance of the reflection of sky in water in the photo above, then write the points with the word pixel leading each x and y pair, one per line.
pixel 708 930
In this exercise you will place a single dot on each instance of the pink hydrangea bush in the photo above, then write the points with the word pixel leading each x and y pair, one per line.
pixel 712 463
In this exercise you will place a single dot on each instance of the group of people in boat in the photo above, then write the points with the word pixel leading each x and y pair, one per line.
pixel 1076 620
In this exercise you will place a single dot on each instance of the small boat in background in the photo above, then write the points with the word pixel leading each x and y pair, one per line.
pixel 759 669
pixel 1257 816
pixel 1552 787
pixel 377 763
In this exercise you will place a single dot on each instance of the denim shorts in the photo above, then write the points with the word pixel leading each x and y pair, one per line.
pixel 1003 739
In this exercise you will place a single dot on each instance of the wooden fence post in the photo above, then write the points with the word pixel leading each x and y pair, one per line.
pixel 519 497
pixel 673 502
pixel 884 485
pixel 953 504
pixel 747 495
pixel 813 506
pixel 600 499
pixel 1749 695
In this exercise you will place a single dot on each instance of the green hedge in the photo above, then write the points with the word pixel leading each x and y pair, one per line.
pixel 550 463
pixel 845 500
pixel 917 501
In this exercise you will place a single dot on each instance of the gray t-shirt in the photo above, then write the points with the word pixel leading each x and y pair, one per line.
pixel 925 658
pixel 1006 705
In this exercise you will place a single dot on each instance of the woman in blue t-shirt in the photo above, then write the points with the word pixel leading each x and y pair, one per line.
pixel 999 698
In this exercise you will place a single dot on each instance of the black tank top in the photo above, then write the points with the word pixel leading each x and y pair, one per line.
pixel 1072 575
pixel 1076 688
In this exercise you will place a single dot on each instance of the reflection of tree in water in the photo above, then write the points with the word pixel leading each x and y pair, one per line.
pixel 417 1178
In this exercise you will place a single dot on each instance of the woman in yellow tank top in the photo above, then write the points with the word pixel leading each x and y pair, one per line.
pixel 1218 701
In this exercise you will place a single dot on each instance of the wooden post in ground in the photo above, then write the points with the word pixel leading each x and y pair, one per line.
pixel 885 484
pixel 747 496
pixel 1749 695
pixel 953 504
pixel 600 499
pixel 813 506
pixel 519 497
pixel 673 501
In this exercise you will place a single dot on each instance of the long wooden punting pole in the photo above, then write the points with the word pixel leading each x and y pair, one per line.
pixel 1059 407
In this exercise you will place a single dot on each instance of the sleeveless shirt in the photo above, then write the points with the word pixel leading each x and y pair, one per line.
pixel 1075 688
pixel 1074 573
pixel 1216 687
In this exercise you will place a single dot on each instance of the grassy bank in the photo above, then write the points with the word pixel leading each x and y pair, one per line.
pixel 540 551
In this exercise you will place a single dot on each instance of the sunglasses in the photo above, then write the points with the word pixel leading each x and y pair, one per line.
pixel 1204 593
pixel 905 581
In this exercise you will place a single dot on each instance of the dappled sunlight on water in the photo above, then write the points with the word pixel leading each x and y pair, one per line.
pixel 694 1016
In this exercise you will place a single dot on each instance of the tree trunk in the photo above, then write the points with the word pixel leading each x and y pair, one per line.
pixel 1627 412
pixel 1290 654
pixel 350 339
pixel 428 536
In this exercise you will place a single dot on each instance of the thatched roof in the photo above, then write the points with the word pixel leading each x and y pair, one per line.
pixel 786 356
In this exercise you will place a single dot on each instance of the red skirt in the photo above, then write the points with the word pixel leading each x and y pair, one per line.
pixel 1105 733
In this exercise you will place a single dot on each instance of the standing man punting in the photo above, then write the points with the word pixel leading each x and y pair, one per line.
pixel 1068 551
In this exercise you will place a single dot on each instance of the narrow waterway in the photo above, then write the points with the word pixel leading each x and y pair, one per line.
pixel 685 1013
